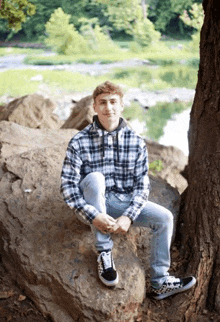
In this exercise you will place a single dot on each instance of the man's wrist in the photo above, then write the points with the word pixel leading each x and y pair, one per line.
pixel 131 221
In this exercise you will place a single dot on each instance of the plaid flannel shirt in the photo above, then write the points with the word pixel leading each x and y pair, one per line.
pixel 121 156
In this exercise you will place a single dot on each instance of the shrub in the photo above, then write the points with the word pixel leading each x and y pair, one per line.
pixel 46 61
pixel 97 40
pixel 62 36
pixel 144 33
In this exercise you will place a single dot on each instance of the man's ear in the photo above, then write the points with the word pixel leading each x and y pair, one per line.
pixel 94 106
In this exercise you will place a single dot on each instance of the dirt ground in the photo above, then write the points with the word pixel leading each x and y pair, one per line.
pixel 14 305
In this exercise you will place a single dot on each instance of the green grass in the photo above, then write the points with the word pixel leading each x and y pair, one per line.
pixel 6 51
pixel 166 52
pixel 18 82
pixel 150 78
pixel 47 60
pixel 161 57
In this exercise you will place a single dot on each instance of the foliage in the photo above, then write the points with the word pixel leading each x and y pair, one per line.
pixel 194 19
pixel 62 35
pixel 144 33
pixel 162 13
pixel 121 13
pixel 97 40
pixel 118 16
pixel 16 12
pixel 156 165
pixel 65 39
pixel 129 16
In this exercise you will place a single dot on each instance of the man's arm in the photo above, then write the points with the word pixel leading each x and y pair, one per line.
pixel 141 185
pixel 70 178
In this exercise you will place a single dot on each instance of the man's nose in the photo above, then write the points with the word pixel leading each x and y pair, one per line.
pixel 108 106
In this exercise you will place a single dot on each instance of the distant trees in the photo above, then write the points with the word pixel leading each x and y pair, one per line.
pixel 194 19
pixel 128 17
pixel 165 15
pixel 16 12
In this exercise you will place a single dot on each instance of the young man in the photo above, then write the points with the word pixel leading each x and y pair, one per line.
pixel 105 179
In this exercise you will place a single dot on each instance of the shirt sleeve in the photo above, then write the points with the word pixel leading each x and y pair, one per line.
pixel 141 185
pixel 70 180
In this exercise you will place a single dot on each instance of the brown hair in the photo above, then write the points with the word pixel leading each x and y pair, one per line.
pixel 108 87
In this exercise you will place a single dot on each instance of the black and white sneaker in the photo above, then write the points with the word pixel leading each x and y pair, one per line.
pixel 106 269
pixel 171 286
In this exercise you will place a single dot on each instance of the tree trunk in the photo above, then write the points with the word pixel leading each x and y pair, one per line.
pixel 199 223
pixel 144 9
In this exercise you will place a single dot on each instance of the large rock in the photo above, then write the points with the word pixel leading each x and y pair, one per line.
pixel 81 115
pixel 173 161
pixel 50 253
pixel 33 111
pixel 15 139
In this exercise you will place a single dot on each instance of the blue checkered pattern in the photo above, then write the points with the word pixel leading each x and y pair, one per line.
pixel 121 156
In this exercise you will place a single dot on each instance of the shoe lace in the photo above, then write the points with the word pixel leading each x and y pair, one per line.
pixel 173 279
pixel 106 259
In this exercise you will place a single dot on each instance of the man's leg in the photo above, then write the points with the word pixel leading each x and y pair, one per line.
pixel 160 220
pixel 93 188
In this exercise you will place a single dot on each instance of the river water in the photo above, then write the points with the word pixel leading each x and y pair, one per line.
pixel 176 132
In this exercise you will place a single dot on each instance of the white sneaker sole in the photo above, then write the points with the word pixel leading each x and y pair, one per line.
pixel 109 283
pixel 175 291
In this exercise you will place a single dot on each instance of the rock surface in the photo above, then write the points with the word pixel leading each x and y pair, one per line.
pixel 50 253
pixel 15 139
pixel 33 111
pixel 81 115
pixel 174 162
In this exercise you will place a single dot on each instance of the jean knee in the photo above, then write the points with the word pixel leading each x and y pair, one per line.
pixel 168 218
pixel 94 181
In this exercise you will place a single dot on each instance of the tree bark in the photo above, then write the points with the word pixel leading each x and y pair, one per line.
pixel 199 222
pixel 144 9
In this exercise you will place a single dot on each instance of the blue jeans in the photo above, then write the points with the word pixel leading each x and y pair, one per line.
pixel 153 216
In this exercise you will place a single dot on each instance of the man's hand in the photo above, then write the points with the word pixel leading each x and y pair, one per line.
pixel 122 225
pixel 104 223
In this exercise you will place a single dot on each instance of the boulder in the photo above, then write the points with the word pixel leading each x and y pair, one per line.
pixel 81 115
pixel 50 253
pixel 33 111
pixel 15 139
pixel 174 162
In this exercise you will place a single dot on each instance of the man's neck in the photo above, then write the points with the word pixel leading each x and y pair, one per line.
pixel 108 127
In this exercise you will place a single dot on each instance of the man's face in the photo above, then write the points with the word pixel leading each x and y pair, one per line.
pixel 109 108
